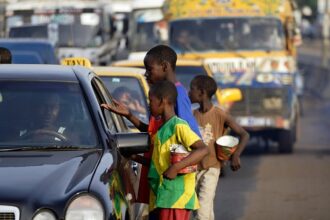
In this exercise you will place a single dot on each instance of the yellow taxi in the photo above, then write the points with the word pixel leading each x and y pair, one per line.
pixel 126 84
pixel 185 71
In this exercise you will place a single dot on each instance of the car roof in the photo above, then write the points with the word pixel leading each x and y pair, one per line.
pixel 180 62
pixel 43 47
pixel 38 72
pixel 119 71
pixel 27 57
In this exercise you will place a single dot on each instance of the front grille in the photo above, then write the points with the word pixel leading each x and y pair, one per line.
pixel 261 102
pixel 7 216
pixel 9 213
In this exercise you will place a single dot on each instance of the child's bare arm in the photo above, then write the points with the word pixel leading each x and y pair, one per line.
pixel 137 123
pixel 243 140
pixel 200 150
pixel 122 110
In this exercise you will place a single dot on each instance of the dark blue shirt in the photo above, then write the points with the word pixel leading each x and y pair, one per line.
pixel 183 108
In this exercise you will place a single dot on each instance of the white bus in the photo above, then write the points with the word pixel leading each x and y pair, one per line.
pixel 76 28
pixel 147 27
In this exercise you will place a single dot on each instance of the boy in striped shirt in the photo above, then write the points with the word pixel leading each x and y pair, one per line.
pixel 172 195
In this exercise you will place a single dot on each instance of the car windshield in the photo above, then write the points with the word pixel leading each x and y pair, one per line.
pixel 44 114
pixel 30 31
pixel 129 91
pixel 77 35
pixel 72 35
pixel 202 35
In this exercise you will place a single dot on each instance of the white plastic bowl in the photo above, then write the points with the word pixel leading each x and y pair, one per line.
pixel 227 141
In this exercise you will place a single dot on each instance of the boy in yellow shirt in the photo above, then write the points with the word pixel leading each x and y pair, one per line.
pixel 172 195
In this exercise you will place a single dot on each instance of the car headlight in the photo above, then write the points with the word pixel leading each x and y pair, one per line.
pixel 44 215
pixel 84 207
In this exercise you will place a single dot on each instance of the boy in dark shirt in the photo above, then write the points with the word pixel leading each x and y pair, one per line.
pixel 160 64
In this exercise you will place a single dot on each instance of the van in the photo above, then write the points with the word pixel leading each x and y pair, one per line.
pixel 30 51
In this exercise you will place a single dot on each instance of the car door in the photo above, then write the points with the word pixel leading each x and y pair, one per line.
pixel 123 179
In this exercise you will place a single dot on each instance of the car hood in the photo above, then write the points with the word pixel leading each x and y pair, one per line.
pixel 31 177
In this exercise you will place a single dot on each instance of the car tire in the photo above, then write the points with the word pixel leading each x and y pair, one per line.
pixel 285 141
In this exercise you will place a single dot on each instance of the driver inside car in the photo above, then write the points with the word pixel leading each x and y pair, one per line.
pixel 47 125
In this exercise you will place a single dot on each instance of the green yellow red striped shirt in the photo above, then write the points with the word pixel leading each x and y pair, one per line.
pixel 180 192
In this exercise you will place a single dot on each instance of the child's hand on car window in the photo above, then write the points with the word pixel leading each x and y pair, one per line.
pixel 117 108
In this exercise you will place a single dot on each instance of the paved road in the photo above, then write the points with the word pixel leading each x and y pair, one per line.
pixel 271 186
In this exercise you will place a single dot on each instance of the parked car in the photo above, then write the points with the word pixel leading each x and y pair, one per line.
pixel 62 156
pixel 30 51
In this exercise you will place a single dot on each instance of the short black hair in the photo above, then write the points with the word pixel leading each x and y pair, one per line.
pixel 163 53
pixel 5 55
pixel 164 89
pixel 205 83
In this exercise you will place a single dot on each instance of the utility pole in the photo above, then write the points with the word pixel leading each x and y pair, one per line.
pixel 325 31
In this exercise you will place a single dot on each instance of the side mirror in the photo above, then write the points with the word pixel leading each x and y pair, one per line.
pixel 133 143
pixel 230 95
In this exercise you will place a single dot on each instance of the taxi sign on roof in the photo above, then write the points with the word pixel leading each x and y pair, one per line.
pixel 73 61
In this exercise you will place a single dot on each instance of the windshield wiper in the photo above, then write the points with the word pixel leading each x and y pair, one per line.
pixel 42 148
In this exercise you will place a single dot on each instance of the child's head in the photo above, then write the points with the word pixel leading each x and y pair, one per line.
pixel 162 96
pixel 202 87
pixel 159 62
pixel 123 95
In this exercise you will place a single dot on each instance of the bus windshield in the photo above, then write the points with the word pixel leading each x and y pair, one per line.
pixel 225 34
pixel 64 30
pixel 146 29
pixel 77 35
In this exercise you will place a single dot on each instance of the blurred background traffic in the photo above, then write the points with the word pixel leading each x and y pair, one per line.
pixel 276 52
pixel 108 30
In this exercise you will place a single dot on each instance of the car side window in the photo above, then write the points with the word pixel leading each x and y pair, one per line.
pixel 102 97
